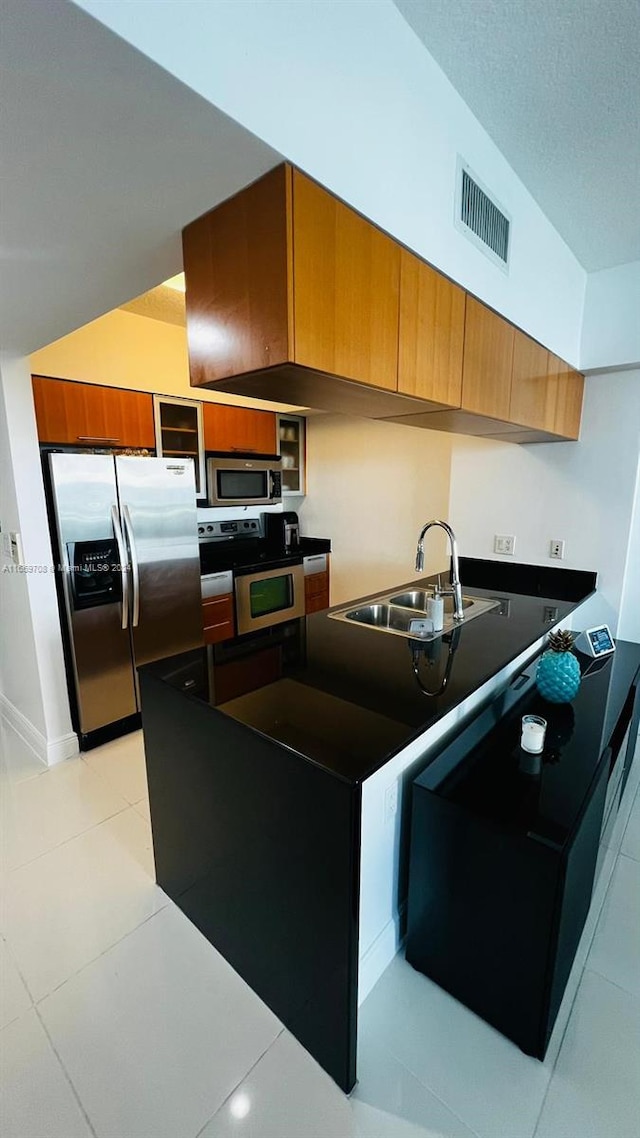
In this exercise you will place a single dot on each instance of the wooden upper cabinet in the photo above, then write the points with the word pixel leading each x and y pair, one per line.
pixel 346 276
pixel 568 386
pixel 488 358
pixel 229 428
pixel 431 337
pixel 533 392
pixel 237 271
pixel 286 274
pixel 84 414
pixel 293 296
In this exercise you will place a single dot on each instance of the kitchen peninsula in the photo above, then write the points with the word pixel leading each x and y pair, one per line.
pixel 268 761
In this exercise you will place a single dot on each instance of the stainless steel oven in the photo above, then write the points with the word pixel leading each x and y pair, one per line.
pixel 243 480
pixel 269 597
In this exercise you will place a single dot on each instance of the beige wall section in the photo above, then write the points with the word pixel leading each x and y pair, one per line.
pixel 124 350
pixel 371 486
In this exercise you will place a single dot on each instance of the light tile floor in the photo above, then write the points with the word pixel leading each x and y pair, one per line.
pixel 118 1020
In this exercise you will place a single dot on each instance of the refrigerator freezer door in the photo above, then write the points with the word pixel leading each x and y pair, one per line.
pixel 158 507
pixel 84 494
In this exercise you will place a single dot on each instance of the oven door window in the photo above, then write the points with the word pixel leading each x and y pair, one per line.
pixel 234 485
pixel 273 594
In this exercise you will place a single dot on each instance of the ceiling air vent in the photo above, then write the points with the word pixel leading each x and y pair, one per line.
pixel 481 219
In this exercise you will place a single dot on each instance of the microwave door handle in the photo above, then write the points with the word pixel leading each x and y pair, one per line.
pixel 135 568
pixel 124 571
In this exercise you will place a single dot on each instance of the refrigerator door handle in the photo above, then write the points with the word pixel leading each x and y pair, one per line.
pixel 115 520
pixel 135 569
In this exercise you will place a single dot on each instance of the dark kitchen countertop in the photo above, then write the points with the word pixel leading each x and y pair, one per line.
pixel 345 697
pixel 253 555
pixel 539 797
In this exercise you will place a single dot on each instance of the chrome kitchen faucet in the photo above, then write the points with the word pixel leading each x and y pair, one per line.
pixel 456 588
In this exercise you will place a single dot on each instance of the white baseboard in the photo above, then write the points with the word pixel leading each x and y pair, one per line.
pixel 379 955
pixel 49 751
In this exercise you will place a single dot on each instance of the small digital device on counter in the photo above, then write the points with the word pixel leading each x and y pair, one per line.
pixel 596 641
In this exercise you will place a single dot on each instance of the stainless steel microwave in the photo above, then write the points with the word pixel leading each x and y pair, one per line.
pixel 243 480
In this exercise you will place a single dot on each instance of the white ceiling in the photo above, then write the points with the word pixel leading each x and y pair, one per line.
pixel 105 158
pixel 556 84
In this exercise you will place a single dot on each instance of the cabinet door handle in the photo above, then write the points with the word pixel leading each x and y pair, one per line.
pixel 246 450
pixel 97 439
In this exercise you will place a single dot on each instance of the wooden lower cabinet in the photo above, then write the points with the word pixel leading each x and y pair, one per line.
pixel 218 618
pixel 228 428
pixel 316 590
pixel 85 414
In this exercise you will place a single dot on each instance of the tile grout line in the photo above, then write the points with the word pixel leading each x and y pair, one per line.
pixel 585 968
pixel 14 961
pixel 241 1081
pixel 560 1046
pixel 65 841
pixel 425 1086
pixel 103 778
pixel 607 980
pixel 94 959
pixel 66 1074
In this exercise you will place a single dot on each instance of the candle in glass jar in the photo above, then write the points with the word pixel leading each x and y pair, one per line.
pixel 533 733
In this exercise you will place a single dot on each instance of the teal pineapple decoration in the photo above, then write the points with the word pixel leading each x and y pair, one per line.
pixel 558 673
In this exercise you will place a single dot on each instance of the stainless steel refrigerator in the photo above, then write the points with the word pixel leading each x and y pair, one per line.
pixel 128 547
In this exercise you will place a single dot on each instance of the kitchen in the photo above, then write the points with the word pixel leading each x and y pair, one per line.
pixel 482 466
pixel 223 534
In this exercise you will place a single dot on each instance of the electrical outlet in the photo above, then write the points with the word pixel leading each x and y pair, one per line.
pixel 556 549
pixel 504 543
pixel 390 802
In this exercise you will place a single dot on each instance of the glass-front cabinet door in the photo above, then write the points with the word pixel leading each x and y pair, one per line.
pixel 291 446
pixel 179 433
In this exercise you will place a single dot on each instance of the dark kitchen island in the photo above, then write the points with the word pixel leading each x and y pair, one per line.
pixel 259 752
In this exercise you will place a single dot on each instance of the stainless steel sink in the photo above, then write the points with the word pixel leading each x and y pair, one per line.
pixel 417 599
pixel 401 614
pixel 388 617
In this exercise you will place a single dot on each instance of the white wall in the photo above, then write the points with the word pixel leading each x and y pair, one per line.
pixel 582 493
pixel 611 322
pixel 122 349
pixel 31 660
pixel 629 626
pixel 348 92
pixel 371 487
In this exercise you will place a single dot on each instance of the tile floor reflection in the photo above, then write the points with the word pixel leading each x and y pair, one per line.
pixel 119 1020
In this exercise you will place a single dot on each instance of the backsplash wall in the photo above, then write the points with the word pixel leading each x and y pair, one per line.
pixel 581 493
pixel 371 486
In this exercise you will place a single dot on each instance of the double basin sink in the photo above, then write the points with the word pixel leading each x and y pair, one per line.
pixel 405 614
